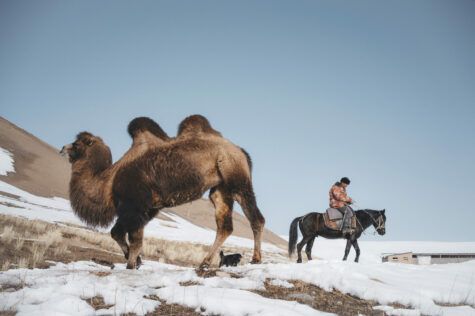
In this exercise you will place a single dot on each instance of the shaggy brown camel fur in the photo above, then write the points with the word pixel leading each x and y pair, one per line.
pixel 92 206
pixel 146 180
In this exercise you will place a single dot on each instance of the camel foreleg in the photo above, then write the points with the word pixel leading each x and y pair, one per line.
pixel 118 233
pixel 135 247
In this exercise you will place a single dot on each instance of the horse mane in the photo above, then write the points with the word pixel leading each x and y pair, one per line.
pixel 144 124
pixel 194 124
pixel 367 210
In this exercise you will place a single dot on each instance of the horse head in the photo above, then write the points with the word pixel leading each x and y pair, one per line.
pixel 379 222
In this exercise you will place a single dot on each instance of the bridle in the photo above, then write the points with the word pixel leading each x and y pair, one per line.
pixel 379 223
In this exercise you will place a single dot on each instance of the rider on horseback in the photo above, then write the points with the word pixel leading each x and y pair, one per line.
pixel 341 201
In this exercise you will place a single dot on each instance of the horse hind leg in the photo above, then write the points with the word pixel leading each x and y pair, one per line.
pixel 223 203
pixel 308 248
pixel 300 245
pixel 247 200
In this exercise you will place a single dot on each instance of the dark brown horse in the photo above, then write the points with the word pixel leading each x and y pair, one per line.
pixel 313 225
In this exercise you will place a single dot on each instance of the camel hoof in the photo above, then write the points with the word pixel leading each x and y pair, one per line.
pixel 130 266
pixel 203 267
pixel 255 261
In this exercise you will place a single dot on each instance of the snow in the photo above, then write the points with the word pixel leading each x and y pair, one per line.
pixel 281 283
pixel 6 162
pixel 371 251
pixel 420 287
pixel 234 302
pixel 63 288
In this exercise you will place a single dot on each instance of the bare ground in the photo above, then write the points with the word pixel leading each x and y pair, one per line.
pixel 314 296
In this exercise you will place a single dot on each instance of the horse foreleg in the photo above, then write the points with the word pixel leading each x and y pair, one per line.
pixel 357 249
pixel 347 249
pixel 135 247
pixel 308 248
pixel 223 204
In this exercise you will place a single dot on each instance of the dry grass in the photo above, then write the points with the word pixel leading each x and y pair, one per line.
pixel 172 309
pixel 7 312
pixel 19 244
pixel 97 302
pixel 8 234
pixel 30 243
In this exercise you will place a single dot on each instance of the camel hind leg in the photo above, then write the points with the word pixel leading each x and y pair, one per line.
pixel 247 200
pixel 236 174
pixel 223 203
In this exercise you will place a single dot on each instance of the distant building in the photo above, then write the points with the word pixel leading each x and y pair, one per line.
pixel 428 258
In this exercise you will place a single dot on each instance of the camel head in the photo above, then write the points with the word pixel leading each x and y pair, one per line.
pixel 196 124
pixel 88 149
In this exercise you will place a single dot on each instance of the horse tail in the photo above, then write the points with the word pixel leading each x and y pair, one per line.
pixel 293 235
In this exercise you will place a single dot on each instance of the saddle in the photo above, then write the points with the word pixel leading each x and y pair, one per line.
pixel 333 219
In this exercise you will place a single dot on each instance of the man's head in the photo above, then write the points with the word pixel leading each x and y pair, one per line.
pixel 345 182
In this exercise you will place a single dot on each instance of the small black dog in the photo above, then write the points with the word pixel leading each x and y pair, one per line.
pixel 229 260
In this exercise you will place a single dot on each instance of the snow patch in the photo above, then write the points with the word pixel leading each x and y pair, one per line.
pixel 411 285
pixel 6 162
pixel 63 289
pixel 281 283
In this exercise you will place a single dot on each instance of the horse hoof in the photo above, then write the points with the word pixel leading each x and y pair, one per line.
pixel 299 260
pixel 139 262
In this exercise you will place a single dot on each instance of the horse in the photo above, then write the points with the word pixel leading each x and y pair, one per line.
pixel 312 225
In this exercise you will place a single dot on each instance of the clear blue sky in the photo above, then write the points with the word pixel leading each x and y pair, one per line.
pixel 380 91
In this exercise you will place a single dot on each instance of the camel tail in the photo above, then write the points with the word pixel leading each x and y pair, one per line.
pixel 248 158
pixel 293 235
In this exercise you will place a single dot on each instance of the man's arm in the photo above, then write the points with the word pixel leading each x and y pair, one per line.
pixel 341 196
